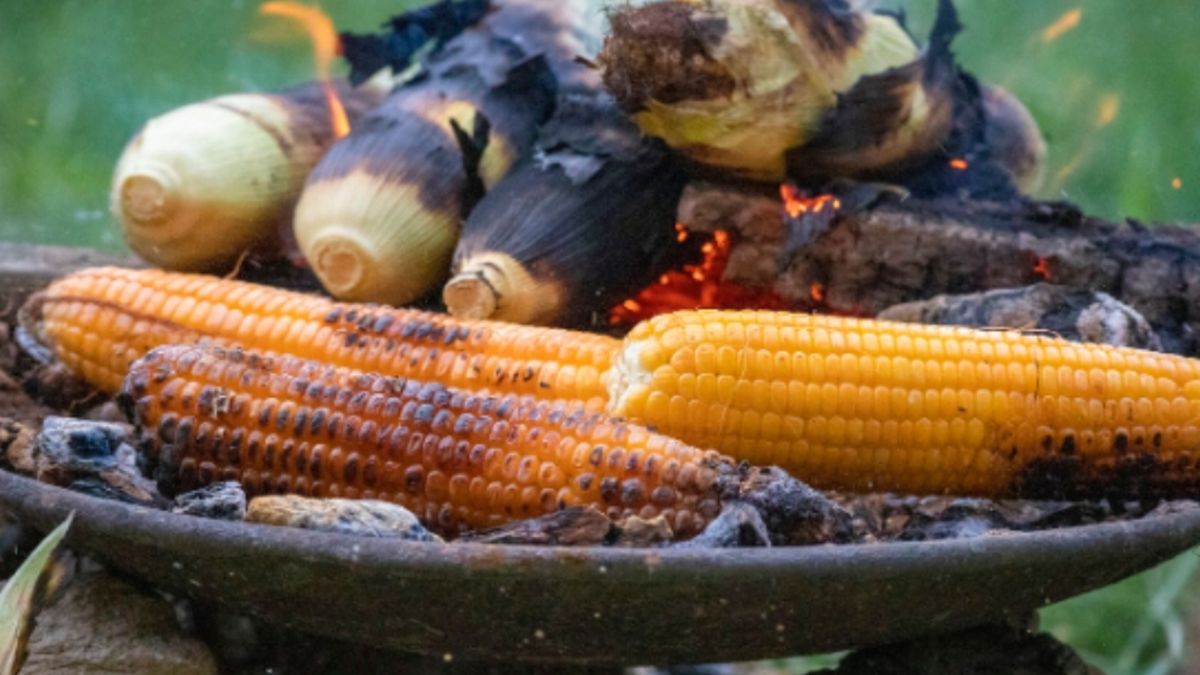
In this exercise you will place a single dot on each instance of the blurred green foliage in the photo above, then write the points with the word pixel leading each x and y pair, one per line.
pixel 1115 93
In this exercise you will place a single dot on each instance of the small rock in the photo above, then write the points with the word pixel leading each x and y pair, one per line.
pixel 17 441
pixel 361 517
pixel 104 625
pixel 638 532
pixel 91 457
pixel 574 526
pixel 223 501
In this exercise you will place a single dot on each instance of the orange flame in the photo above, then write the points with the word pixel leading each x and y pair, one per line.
pixel 1041 267
pixel 698 286
pixel 1062 25
pixel 796 204
pixel 326 46
pixel 816 291
pixel 959 164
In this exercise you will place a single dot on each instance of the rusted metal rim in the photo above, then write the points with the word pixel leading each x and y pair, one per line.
pixel 598 605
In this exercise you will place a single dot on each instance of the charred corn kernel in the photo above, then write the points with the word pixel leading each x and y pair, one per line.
pixel 891 406
pixel 99 320
pixel 459 460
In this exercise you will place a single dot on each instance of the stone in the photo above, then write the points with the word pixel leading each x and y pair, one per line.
pixel 104 625
pixel 359 517
pixel 91 457
pixel 223 501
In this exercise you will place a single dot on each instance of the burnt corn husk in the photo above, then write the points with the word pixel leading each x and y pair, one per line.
pixel 581 225
pixel 203 184
pixel 381 213
pixel 736 83
pixel 813 90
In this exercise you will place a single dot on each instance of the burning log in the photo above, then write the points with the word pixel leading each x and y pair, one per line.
pixel 879 252
pixel 380 215
pixel 203 184
pixel 814 90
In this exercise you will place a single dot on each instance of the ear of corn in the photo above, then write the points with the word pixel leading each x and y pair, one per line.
pixel 458 460
pixel 871 405
pixel 100 320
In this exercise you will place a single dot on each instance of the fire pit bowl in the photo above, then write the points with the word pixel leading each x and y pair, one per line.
pixel 603 606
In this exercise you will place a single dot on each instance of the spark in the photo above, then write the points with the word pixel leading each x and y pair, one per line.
pixel 1062 25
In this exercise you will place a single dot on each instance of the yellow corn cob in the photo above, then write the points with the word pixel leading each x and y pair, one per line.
pixel 458 460
pixel 100 320
pixel 872 405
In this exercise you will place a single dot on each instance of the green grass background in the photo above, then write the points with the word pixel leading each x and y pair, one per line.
pixel 77 77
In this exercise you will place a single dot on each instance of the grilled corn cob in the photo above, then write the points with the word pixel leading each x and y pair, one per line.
pixel 872 405
pixel 100 320
pixel 458 460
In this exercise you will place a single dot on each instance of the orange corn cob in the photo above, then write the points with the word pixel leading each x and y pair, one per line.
pixel 456 459
pixel 100 320
pixel 872 405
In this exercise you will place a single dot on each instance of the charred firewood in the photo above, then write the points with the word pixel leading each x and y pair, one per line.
pixel 380 214
pixel 581 225
pixel 203 184
pixel 1071 313
pixel 816 90
pixel 879 254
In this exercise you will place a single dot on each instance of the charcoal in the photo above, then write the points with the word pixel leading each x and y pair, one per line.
pixel 574 526
pixel 794 513
pixel 1072 313
pixel 738 525
pixel 223 501
pixel 363 518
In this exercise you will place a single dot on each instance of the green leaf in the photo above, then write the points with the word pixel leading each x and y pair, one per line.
pixel 22 598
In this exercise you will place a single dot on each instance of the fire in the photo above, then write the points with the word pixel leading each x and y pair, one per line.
pixel 326 46
pixel 816 290
pixel 959 164
pixel 697 286
pixel 1041 267
pixel 681 233
pixel 1062 25
pixel 795 204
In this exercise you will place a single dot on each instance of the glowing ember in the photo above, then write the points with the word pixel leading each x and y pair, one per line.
pixel 326 46
pixel 1042 268
pixel 1107 111
pixel 795 204
pixel 816 290
pixel 959 164
pixel 681 233
pixel 698 286
pixel 1177 183
pixel 1062 25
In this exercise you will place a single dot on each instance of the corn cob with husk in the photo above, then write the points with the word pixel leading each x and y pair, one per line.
pixel 206 183
pixel 381 213
pixel 457 459
pixel 815 90
pixel 98 321
pixel 879 406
